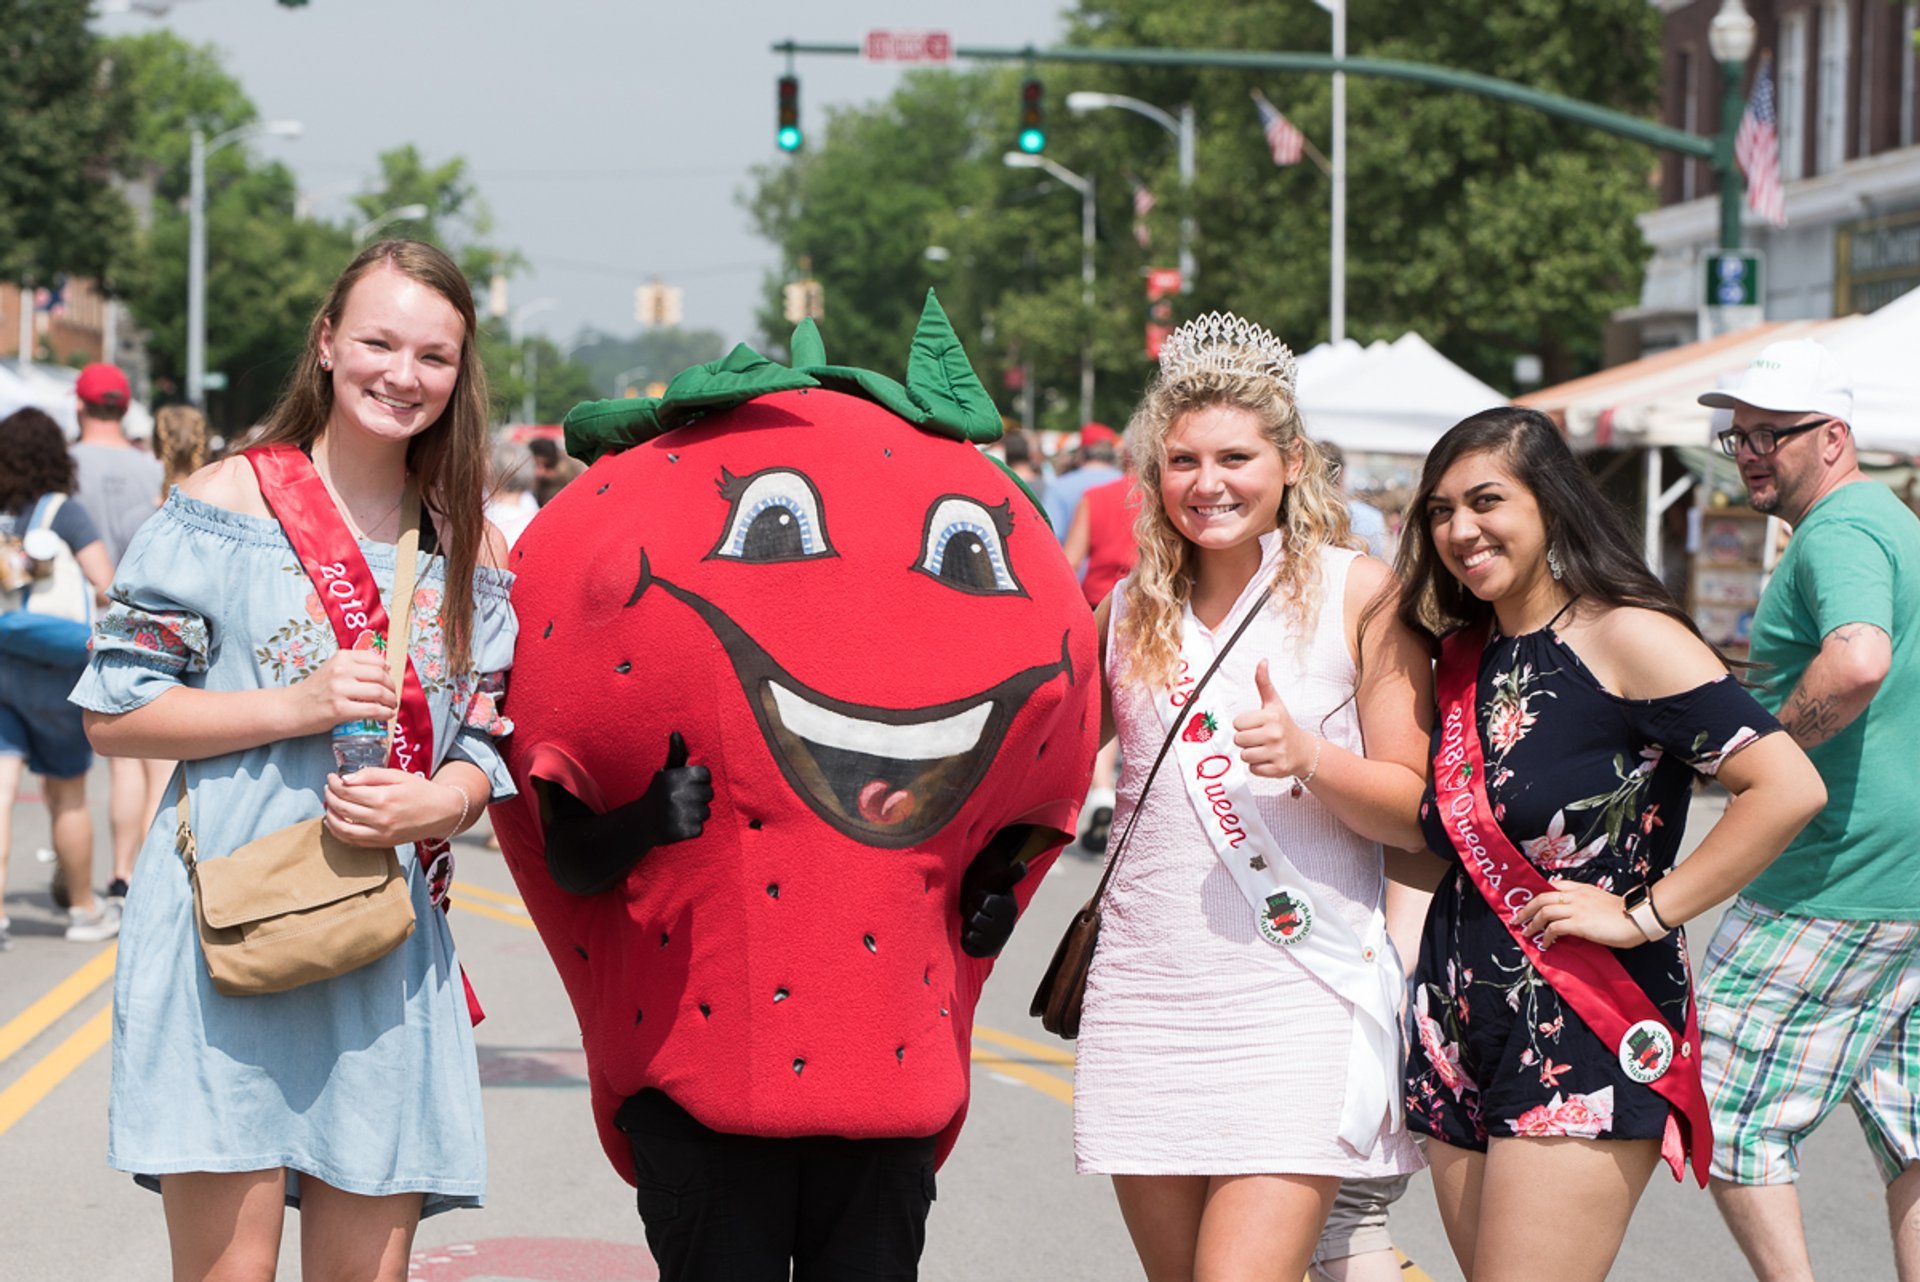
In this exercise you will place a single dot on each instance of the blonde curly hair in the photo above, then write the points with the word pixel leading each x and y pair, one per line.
pixel 1312 514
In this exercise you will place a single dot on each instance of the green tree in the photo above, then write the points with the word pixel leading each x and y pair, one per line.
pixel 267 268
pixel 62 138
pixel 457 218
pixel 1490 228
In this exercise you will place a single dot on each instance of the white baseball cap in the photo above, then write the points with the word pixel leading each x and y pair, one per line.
pixel 1797 376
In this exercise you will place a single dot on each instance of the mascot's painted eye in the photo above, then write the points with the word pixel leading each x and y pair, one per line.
pixel 775 516
pixel 965 547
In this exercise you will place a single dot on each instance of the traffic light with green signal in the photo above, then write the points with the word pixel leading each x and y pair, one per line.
pixel 788 135
pixel 1033 117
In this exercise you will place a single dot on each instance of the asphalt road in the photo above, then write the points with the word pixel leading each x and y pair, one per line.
pixel 1010 1206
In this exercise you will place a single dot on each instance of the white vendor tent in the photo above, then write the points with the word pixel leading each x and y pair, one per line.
pixel 1388 398
pixel 1654 401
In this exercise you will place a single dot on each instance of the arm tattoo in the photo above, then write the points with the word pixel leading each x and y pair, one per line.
pixel 1848 633
pixel 1811 719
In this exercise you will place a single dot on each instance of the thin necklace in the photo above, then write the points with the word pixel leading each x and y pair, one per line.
pixel 347 508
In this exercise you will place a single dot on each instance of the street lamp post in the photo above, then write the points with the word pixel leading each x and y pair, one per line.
pixel 517 329
pixel 402 214
pixel 1182 131
pixel 1024 160
pixel 197 243
pixel 1730 37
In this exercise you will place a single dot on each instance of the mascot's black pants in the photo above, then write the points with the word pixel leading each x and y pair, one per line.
pixel 746 1208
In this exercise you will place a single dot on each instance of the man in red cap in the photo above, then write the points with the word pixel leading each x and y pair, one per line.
pixel 1099 456
pixel 119 486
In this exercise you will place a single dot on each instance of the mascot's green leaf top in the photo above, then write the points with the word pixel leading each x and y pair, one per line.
pixel 942 394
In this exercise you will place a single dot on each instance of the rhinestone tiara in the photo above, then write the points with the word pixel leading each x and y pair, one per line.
pixel 1224 343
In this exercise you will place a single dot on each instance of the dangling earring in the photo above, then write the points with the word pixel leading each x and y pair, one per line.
pixel 1554 567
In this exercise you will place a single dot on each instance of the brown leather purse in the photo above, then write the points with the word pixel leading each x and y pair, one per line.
pixel 1063 986
pixel 300 905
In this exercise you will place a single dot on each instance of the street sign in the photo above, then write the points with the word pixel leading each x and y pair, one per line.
pixel 1731 294
pixel 214 380
pixel 908 46
pixel 1733 279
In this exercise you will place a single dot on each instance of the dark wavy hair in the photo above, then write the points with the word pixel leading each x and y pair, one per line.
pixel 449 459
pixel 33 459
pixel 1600 559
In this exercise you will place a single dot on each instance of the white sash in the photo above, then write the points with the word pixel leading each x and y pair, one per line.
pixel 1364 972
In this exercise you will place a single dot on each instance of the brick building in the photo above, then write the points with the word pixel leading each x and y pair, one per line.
pixel 1845 75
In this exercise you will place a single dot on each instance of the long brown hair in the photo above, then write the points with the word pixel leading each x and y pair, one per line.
pixel 180 443
pixel 448 460
pixel 1599 558
pixel 1312 514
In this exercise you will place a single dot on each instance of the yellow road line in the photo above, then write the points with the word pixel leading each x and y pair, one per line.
pixel 65 995
pixel 34 1085
pixel 994 1061
pixel 460 905
pixel 1410 1271
pixel 462 889
pixel 1044 1082
pixel 1032 1049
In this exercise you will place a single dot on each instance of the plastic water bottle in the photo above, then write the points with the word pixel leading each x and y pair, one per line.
pixel 359 743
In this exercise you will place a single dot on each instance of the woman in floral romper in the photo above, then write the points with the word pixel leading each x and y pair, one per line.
pixel 356 1098
pixel 1598 703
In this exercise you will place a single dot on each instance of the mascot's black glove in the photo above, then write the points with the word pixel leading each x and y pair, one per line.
pixel 988 909
pixel 588 853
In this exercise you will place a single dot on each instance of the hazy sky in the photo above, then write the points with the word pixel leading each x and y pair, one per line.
pixel 611 138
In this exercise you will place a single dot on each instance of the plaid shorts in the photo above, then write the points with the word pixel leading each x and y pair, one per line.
pixel 1796 1012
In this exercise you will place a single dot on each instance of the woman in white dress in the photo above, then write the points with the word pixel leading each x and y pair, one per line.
pixel 1239 1048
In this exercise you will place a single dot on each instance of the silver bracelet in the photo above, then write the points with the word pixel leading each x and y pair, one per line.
pixel 466 808
pixel 1300 782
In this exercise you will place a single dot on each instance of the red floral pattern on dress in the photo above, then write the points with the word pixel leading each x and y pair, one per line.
pixel 1577 1116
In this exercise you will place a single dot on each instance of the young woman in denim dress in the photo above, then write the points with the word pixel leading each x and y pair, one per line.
pixel 357 1098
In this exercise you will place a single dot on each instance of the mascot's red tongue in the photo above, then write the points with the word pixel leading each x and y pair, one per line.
pixel 879 805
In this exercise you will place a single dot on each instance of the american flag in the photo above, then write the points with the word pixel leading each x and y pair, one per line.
pixel 1757 148
pixel 1287 143
pixel 1143 204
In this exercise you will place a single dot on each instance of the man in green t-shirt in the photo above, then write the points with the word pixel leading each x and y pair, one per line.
pixel 1812 983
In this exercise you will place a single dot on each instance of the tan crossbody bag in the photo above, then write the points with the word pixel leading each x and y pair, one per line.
pixel 299 904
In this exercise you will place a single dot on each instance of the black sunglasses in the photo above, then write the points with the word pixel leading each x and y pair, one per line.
pixel 1761 440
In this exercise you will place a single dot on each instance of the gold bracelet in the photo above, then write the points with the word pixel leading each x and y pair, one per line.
pixel 1300 782
pixel 466 808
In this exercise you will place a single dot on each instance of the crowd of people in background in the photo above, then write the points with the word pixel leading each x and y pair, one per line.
pixel 1445 770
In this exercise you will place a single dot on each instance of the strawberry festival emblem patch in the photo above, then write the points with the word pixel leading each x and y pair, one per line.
pixel 1646 1051
pixel 1287 918
pixel 1201 728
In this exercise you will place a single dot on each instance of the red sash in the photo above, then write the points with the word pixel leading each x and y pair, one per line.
pixel 1588 976
pixel 344 583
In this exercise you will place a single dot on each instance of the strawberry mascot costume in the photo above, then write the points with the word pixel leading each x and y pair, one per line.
pixel 806 703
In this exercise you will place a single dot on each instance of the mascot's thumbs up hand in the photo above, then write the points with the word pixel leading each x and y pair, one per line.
pixel 588 852
pixel 988 910
pixel 676 804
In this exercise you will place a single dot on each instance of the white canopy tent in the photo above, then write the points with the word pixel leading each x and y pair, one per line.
pixel 1654 401
pixel 1389 398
